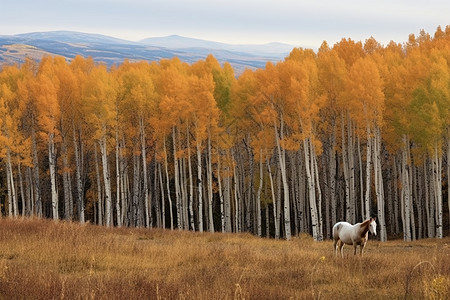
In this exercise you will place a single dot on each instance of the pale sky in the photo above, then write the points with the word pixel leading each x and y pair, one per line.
pixel 299 23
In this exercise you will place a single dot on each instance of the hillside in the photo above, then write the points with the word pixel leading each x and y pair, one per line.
pixel 14 49
pixel 179 42
pixel 43 259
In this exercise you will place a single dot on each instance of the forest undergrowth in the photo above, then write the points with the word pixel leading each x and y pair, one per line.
pixel 44 259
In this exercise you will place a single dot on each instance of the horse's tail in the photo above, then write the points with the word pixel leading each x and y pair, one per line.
pixel 336 228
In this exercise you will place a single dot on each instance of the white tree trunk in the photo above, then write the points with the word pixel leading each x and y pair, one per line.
pixel 274 203
pixel 184 194
pixel 346 172
pixel 210 187
pixel 437 172
pixel 406 201
pixel 309 166
pixel 221 196
pixel 12 205
pixel 227 198
pixel 52 168
pixel 448 170
pixel 136 216
pixel 36 181
pixel 282 162
pixel 118 181
pixel 248 201
pixel 418 192
pixel 319 193
pixel 68 201
pixel 200 187
pixel 429 220
pixel 368 173
pixel 78 178
pixel 361 181
pixel 379 185
pixel 411 199
pixel 351 170
pixel 124 181
pixel 177 183
pixel 99 188
pixel 106 181
pixel 191 183
pixel 168 184
pixel 332 178
pixel 163 198
pixel 237 199
pixel 258 198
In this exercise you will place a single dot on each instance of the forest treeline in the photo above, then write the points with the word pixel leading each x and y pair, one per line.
pixel 342 133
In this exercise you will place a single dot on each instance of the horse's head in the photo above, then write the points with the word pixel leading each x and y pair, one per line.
pixel 373 226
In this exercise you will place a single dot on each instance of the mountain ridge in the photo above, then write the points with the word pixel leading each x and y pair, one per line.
pixel 71 36
pixel 181 42
pixel 110 50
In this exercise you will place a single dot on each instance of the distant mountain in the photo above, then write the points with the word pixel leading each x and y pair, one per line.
pixel 179 42
pixel 72 37
pixel 15 48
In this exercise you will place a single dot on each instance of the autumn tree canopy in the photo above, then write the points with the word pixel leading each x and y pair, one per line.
pixel 350 131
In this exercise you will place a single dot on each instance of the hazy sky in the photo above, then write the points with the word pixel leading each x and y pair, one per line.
pixel 300 23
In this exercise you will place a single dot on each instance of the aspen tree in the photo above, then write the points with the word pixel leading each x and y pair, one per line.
pixel 67 99
pixel 331 75
pixel 205 119
pixel 271 92
pixel 81 68
pixel 241 126
pixel 224 78
pixel 173 108
pixel 48 116
pixel 5 140
pixel 350 51
pixel 306 99
pixel 99 187
pixel 100 94
pixel 365 88
pixel 138 94
pixel 28 92
pixel 428 127
pixel 13 144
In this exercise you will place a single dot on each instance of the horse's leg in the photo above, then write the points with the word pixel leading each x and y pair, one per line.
pixel 341 248
pixel 355 245
pixel 361 248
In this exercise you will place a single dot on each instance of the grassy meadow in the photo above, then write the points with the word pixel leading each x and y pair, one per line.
pixel 43 259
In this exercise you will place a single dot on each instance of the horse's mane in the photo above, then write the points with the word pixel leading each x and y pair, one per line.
pixel 366 222
pixel 365 226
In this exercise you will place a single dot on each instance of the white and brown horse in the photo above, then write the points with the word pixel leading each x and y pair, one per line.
pixel 346 233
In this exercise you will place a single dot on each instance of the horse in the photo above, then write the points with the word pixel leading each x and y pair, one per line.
pixel 346 233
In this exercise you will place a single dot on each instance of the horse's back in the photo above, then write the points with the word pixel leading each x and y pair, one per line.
pixel 341 231
pixel 337 228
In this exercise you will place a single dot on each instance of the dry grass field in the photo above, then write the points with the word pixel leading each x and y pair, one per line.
pixel 12 54
pixel 42 259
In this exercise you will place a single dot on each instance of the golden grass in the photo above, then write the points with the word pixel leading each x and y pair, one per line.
pixel 17 52
pixel 42 259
